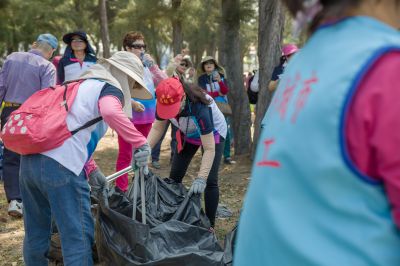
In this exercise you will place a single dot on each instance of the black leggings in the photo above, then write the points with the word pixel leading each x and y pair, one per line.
pixel 180 164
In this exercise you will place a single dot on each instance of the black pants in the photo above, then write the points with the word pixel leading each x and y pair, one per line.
pixel 180 164
pixel 11 162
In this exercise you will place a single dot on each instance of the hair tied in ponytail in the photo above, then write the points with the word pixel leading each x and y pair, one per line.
pixel 306 15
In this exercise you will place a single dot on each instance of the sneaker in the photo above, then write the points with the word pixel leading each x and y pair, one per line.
pixel 15 209
pixel 229 161
pixel 156 164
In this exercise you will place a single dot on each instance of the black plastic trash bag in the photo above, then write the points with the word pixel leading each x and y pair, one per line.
pixel 176 232
pixel 223 212
pixel 230 240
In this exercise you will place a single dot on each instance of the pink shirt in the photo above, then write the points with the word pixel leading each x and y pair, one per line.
pixel 373 127
pixel 111 110
pixel 157 74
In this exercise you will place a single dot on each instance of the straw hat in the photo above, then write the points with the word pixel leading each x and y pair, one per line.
pixel 131 65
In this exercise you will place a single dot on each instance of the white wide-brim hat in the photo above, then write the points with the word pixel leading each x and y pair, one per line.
pixel 131 65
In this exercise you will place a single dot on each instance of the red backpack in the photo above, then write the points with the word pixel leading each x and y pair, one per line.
pixel 39 124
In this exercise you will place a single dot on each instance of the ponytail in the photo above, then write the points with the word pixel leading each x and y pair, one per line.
pixel 195 93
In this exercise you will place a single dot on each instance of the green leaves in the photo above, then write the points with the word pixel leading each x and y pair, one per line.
pixel 24 20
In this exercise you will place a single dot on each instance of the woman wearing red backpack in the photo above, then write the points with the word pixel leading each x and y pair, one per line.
pixel 53 183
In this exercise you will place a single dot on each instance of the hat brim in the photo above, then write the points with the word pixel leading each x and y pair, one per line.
pixel 219 68
pixel 168 111
pixel 188 62
pixel 292 51
pixel 67 38
pixel 144 94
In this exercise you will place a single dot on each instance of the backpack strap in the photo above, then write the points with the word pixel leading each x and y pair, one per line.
pixel 86 125
pixel 64 102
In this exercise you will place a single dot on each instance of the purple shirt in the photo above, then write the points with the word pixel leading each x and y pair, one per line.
pixel 23 74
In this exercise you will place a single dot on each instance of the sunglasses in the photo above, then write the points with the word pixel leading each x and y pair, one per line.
pixel 138 46
pixel 183 65
pixel 77 40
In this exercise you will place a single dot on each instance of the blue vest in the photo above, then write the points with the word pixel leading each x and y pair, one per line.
pixel 307 204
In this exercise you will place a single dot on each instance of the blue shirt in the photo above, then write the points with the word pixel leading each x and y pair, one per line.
pixel 198 119
pixel 23 74
pixel 278 70
pixel 201 113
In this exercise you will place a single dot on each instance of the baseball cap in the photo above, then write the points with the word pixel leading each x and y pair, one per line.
pixel 169 94
pixel 48 38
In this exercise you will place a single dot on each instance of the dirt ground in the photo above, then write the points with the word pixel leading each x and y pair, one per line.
pixel 233 181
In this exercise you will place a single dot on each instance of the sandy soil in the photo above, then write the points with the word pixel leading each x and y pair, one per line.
pixel 233 182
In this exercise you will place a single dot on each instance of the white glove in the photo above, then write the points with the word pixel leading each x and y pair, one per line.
pixel 198 186
pixel 141 156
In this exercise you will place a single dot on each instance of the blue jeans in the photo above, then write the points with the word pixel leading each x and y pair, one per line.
pixel 49 189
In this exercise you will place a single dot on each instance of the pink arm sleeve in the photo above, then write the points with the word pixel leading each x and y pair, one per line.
pixel 372 127
pixel 157 74
pixel 223 88
pixel 111 111
pixel 90 166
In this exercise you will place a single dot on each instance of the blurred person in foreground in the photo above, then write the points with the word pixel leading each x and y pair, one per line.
pixel 325 183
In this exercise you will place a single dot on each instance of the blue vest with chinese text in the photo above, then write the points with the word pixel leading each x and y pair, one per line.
pixel 307 204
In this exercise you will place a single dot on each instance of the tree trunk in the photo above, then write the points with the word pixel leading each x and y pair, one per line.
pixel 196 58
pixel 153 45
pixel 211 47
pixel 78 20
pixel 105 37
pixel 177 33
pixel 233 63
pixel 270 31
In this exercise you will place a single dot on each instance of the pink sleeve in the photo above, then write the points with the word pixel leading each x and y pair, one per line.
pixel 223 88
pixel 111 111
pixel 90 166
pixel 372 127
pixel 157 74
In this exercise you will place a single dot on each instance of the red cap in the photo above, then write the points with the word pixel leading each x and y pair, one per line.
pixel 169 94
